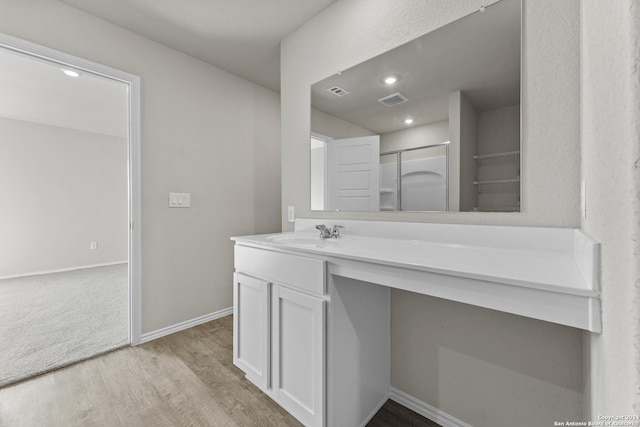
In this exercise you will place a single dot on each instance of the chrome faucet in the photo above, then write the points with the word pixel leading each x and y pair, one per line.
pixel 326 233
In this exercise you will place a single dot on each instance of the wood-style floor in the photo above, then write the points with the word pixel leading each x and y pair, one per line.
pixel 184 379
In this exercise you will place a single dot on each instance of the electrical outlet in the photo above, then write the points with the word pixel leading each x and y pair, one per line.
pixel 583 199
pixel 291 213
pixel 93 245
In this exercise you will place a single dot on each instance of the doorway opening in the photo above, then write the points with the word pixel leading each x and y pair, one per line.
pixel 69 181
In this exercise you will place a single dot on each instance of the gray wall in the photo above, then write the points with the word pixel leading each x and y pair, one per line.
pixel 204 131
pixel 334 127
pixel 485 367
pixel 351 31
pixel 463 125
pixel 432 133
pixel 61 189
pixel 499 130
pixel 610 168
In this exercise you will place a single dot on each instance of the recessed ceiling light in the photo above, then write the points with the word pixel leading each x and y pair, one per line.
pixel 389 80
pixel 408 121
pixel 71 73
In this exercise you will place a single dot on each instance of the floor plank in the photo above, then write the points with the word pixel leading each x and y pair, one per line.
pixel 184 379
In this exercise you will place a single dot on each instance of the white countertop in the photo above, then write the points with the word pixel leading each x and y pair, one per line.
pixel 567 266
pixel 552 271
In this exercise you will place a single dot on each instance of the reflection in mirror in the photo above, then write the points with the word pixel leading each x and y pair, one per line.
pixel 433 125
pixel 414 179
pixel 348 172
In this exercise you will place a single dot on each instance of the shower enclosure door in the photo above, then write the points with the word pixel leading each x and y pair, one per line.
pixel 415 179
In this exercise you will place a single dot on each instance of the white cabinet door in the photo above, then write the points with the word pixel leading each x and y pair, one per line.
pixel 298 347
pixel 251 328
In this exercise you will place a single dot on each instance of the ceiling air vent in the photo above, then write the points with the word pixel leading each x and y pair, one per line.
pixel 393 99
pixel 338 91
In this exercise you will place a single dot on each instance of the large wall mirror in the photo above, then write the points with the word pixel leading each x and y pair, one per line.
pixel 432 125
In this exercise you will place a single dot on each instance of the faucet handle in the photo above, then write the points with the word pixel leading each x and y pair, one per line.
pixel 335 231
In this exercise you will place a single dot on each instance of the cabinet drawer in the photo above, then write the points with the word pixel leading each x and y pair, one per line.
pixel 292 270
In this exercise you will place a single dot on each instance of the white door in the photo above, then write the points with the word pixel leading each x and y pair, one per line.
pixel 353 168
pixel 298 354
pixel 251 328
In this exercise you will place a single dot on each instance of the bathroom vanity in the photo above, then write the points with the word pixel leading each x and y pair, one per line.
pixel 311 315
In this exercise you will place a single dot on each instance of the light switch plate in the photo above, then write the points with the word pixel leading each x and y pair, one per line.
pixel 179 200
pixel 291 213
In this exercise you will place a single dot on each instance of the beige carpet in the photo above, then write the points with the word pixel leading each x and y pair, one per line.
pixel 51 320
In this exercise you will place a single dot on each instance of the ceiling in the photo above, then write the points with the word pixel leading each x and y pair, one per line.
pixel 478 55
pixel 37 90
pixel 238 36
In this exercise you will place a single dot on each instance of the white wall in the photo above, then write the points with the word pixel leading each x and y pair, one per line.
pixel 351 31
pixel 610 168
pixel 204 131
pixel 61 189
pixel 429 134
pixel 336 128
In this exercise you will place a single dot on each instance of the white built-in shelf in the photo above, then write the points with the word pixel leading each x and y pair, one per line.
pixel 387 208
pixel 496 155
pixel 498 181
pixel 387 190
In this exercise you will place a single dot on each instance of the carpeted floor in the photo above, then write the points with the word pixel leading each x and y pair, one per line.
pixel 51 320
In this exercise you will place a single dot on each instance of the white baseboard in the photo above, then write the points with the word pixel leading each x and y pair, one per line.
pixel 62 270
pixel 149 336
pixel 424 409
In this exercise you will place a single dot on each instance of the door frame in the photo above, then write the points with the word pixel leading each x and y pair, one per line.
pixel 325 173
pixel 133 83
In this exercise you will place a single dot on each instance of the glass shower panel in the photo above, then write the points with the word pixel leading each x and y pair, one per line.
pixel 423 179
